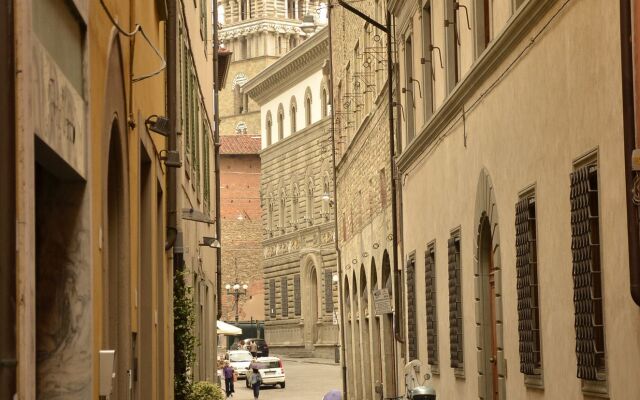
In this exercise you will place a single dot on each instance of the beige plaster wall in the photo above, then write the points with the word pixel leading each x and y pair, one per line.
pixel 558 103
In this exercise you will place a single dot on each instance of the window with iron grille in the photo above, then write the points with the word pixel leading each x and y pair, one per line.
pixel 284 293
pixel 456 340
pixel 587 281
pixel 272 298
pixel 527 286
pixel 432 314
pixel 412 319
pixel 328 291
pixel 297 296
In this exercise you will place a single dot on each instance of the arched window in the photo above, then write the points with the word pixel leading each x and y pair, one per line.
pixel 324 98
pixel 291 9
pixel 238 97
pixel 283 209
pixel 307 107
pixel 295 193
pixel 326 195
pixel 293 111
pixel 268 124
pixel 310 200
pixel 280 122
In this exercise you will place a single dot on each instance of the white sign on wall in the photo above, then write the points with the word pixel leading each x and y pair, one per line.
pixel 382 302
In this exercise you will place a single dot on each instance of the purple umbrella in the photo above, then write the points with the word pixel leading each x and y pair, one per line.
pixel 333 395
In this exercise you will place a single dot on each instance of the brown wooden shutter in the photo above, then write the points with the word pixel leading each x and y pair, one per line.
pixel 297 297
pixel 412 319
pixel 587 284
pixel 527 287
pixel 284 293
pixel 272 298
pixel 455 304
pixel 432 315
pixel 328 291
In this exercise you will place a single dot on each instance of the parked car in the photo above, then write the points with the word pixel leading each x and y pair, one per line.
pixel 263 347
pixel 270 369
pixel 240 361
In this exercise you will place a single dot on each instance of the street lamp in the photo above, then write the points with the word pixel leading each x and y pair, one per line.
pixel 236 290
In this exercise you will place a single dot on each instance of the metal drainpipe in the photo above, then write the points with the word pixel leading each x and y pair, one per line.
pixel 628 115
pixel 216 158
pixel 343 360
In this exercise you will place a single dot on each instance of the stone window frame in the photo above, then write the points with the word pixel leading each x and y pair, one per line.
pixel 308 98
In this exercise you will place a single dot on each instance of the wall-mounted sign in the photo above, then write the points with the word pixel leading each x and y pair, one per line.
pixel 382 302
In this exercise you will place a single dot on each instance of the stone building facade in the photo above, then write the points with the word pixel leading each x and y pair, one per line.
pixel 515 231
pixel 361 123
pixel 96 233
pixel 241 225
pixel 296 191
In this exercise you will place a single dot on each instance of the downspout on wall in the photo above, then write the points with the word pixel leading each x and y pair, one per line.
pixel 627 40
pixel 216 158
pixel 343 361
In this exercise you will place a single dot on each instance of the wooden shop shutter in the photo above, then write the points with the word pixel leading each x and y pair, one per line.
pixel 527 286
pixel 587 283
pixel 455 304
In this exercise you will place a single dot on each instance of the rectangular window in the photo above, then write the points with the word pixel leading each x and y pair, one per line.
pixel 297 296
pixel 482 24
pixel 205 166
pixel 284 293
pixel 431 306
pixel 587 276
pixel 456 339
pixel 452 45
pixel 428 63
pixel 272 298
pixel 409 98
pixel 412 320
pixel 328 291
pixel 527 286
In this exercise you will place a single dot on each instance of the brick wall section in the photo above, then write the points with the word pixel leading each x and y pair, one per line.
pixel 241 240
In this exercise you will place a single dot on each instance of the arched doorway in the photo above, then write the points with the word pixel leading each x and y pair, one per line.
pixel 310 299
pixel 376 346
pixel 365 339
pixel 116 302
pixel 388 341
pixel 487 285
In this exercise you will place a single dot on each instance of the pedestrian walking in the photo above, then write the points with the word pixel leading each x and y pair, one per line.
pixel 228 372
pixel 256 381
pixel 253 348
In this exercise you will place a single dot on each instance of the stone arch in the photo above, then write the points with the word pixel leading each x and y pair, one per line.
pixel 487 282
pixel 116 258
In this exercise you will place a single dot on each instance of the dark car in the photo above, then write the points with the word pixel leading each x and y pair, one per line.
pixel 263 347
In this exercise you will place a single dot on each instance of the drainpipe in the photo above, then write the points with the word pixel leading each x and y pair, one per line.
pixel 216 158
pixel 628 115
pixel 343 360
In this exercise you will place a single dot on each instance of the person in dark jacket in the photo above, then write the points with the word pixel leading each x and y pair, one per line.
pixel 256 381
pixel 227 373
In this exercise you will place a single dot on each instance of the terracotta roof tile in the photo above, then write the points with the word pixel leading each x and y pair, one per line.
pixel 239 144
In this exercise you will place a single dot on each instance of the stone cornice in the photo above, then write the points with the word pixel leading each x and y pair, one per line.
pixel 262 25
pixel 294 66
pixel 497 52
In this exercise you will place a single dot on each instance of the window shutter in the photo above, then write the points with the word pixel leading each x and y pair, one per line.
pixel 272 298
pixel 412 319
pixel 328 291
pixel 527 286
pixel 297 299
pixel 587 290
pixel 455 304
pixel 432 315
pixel 284 292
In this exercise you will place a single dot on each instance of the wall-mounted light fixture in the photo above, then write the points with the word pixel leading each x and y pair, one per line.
pixel 158 124
pixel 171 158
pixel 212 242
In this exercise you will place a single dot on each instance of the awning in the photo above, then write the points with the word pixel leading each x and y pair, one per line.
pixel 227 329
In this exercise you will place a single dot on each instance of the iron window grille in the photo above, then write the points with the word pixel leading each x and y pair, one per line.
pixel 527 286
pixel 272 298
pixel 297 299
pixel 328 291
pixel 431 305
pixel 284 293
pixel 587 279
pixel 455 304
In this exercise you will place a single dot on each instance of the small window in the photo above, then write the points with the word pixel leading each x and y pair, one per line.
pixel 456 338
pixel 293 114
pixel 431 306
pixel 409 100
pixel 268 128
pixel 324 102
pixel 482 25
pixel 272 298
pixel 452 41
pixel 412 333
pixel 280 122
pixel 430 63
pixel 297 296
pixel 284 293
pixel 307 107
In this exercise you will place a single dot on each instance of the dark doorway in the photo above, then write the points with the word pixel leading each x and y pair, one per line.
pixel 147 365
pixel 488 301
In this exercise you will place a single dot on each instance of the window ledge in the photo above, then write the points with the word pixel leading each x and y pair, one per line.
pixel 534 382
pixel 459 373
pixel 596 389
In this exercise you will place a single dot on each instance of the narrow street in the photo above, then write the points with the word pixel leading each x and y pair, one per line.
pixel 305 379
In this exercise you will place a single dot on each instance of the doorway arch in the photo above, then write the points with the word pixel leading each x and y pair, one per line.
pixel 310 299
pixel 116 333
pixel 487 282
